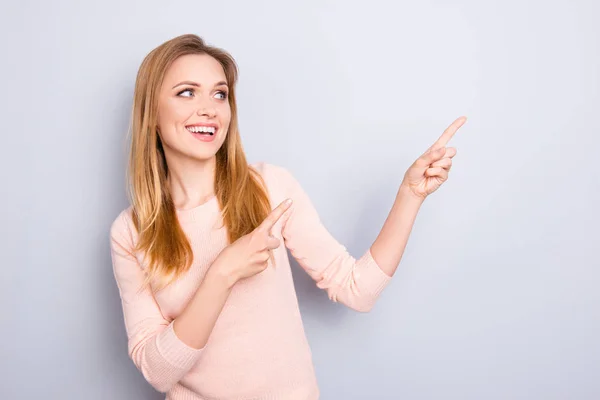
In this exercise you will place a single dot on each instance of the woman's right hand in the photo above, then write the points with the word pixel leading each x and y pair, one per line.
pixel 250 254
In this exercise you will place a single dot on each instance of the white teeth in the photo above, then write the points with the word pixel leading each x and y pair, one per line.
pixel 205 129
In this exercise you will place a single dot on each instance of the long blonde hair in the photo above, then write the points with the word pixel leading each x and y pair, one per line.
pixel 240 191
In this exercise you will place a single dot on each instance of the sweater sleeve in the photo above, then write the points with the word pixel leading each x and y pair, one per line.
pixel 356 283
pixel 153 345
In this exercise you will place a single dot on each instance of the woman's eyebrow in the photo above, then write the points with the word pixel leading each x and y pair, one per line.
pixel 191 83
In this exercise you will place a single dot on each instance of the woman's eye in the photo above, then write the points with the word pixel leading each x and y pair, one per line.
pixel 222 95
pixel 186 93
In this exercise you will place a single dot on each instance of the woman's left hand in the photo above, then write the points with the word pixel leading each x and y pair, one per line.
pixel 430 170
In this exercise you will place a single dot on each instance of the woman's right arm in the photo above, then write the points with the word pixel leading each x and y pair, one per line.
pixel 163 351
pixel 194 325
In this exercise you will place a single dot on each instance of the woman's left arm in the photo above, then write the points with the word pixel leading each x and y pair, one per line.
pixel 357 283
pixel 423 178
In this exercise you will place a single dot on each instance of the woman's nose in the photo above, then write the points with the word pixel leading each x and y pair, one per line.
pixel 207 111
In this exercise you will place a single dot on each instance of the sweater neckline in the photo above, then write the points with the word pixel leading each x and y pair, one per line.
pixel 201 212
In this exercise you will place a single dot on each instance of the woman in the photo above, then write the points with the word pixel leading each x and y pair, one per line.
pixel 208 298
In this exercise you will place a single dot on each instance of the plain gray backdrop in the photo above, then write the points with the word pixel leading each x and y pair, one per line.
pixel 497 294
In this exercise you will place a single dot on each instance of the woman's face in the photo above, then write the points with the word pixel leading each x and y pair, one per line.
pixel 193 108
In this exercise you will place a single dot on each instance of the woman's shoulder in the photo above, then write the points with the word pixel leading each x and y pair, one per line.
pixel 279 181
pixel 273 174
pixel 121 228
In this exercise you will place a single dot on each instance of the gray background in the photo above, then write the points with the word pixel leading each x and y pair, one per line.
pixel 497 294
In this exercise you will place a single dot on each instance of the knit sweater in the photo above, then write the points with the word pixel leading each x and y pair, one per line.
pixel 257 348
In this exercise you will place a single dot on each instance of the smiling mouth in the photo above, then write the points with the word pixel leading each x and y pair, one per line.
pixel 202 130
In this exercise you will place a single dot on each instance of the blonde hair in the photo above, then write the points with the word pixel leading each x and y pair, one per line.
pixel 240 191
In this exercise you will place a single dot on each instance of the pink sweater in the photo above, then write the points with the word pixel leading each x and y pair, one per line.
pixel 258 348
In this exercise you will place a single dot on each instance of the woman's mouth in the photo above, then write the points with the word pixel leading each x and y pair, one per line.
pixel 203 133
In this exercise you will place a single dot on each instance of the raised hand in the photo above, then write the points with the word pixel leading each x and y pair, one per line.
pixel 431 170
pixel 250 254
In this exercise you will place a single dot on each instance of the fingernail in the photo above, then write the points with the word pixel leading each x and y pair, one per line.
pixel 288 201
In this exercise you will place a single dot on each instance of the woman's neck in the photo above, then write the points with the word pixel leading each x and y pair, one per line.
pixel 191 182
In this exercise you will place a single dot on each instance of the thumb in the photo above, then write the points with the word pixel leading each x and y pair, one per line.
pixel 432 156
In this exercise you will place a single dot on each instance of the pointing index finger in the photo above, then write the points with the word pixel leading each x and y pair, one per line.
pixel 275 215
pixel 448 133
